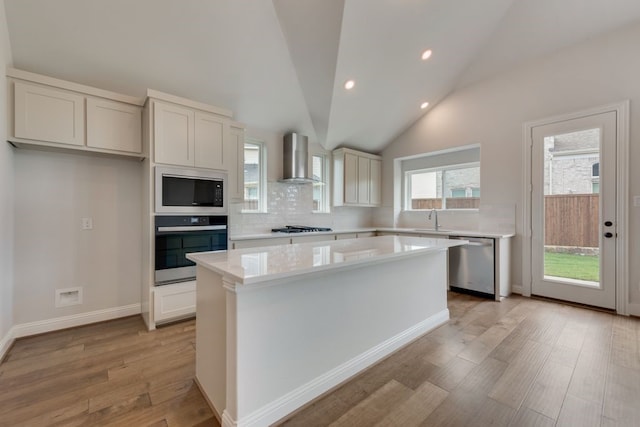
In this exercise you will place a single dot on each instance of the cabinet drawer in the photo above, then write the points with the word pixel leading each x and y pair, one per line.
pixel 174 301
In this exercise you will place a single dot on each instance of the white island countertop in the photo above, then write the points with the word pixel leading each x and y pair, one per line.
pixel 263 264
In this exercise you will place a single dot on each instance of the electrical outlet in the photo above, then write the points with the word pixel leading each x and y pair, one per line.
pixel 87 223
pixel 68 296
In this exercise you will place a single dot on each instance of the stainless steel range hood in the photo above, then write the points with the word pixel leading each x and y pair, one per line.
pixel 295 159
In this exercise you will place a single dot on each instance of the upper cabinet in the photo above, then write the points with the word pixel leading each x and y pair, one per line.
pixel 187 133
pixel 58 114
pixel 357 178
pixel 47 114
pixel 236 157
pixel 113 125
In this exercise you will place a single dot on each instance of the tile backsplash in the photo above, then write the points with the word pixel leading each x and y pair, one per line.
pixel 292 204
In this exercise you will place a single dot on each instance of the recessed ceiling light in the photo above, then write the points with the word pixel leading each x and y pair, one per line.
pixel 424 105
pixel 426 54
pixel 349 84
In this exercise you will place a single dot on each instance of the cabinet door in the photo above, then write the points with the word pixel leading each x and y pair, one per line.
pixel 173 134
pixel 375 182
pixel 210 134
pixel 234 155
pixel 350 178
pixel 363 180
pixel 114 125
pixel 46 114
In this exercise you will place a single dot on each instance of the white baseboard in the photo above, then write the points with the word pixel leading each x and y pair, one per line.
pixel 516 289
pixel 6 342
pixel 293 400
pixel 57 323
pixel 633 309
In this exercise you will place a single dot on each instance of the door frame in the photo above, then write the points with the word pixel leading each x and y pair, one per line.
pixel 622 190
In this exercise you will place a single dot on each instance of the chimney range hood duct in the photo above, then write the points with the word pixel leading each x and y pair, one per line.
pixel 295 159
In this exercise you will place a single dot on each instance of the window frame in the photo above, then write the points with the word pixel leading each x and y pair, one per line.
pixel 262 176
pixel 325 206
pixel 450 167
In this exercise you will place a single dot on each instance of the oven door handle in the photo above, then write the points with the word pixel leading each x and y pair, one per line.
pixel 192 228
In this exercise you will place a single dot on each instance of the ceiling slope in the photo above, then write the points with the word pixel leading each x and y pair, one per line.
pixel 312 31
pixel 280 65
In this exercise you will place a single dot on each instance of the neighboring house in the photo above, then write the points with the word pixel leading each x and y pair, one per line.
pixel 572 163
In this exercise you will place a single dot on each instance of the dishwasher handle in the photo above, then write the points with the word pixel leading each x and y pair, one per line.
pixel 474 241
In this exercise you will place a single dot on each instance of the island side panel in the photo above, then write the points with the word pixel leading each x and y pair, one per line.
pixel 211 356
pixel 297 339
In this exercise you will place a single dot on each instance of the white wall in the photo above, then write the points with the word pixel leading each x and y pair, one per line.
pixel 6 192
pixel 290 204
pixel 492 112
pixel 53 191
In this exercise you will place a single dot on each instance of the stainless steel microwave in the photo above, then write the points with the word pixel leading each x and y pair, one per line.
pixel 190 191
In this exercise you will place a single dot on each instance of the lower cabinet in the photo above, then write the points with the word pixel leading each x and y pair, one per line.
pixel 175 301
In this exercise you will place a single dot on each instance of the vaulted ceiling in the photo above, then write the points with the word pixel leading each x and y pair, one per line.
pixel 281 65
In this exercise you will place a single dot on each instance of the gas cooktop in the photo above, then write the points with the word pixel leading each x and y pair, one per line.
pixel 299 229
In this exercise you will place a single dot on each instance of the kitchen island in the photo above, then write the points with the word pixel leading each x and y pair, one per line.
pixel 278 326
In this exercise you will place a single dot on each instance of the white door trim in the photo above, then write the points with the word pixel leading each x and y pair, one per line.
pixel 622 184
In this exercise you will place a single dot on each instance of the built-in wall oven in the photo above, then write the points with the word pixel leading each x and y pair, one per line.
pixel 178 235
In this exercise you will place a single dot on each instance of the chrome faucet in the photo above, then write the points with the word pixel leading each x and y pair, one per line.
pixel 433 211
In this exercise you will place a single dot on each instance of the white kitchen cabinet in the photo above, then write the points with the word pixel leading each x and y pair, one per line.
pixel 186 136
pixel 357 178
pixel 375 182
pixel 258 243
pixel 210 134
pixel 173 128
pixel 313 238
pixel 235 150
pixel 114 125
pixel 48 114
pixel 59 115
pixel 345 236
pixel 175 301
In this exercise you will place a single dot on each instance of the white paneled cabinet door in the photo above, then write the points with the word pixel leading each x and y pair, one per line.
pixel 174 138
pixel 210 134
pixel 114 125
pixel 363 180
pixel 350 178
pixel 46 114
pixel 375 182
pixel 234 156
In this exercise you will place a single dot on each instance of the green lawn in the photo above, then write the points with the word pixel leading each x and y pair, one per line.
pixel 581 267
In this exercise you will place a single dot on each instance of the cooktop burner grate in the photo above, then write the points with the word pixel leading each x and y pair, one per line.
pixel 299 229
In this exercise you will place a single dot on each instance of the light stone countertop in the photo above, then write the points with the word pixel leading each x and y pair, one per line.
pixel 264 264
pixel 310 233
pixel 443 231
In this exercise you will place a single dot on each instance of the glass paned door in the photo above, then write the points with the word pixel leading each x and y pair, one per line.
pixel 573 210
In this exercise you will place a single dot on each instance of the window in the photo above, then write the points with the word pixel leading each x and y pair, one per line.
pixel 320 173
pixel 445 187
pixel 595 178
pixel 254 177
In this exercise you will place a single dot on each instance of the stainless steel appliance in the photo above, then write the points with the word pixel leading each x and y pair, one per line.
pixel 298 229
pixel 295 159
pixel 190 191
pixel 472 266
pixel 176 236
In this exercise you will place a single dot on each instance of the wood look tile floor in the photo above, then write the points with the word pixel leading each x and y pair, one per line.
pixel 520 362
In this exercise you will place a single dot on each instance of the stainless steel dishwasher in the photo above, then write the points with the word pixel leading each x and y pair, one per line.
pixel 472 266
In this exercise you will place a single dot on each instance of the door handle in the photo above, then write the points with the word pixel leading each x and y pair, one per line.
pixel 608 235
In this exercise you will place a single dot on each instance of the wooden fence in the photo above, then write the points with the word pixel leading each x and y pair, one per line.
pixel 572 220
